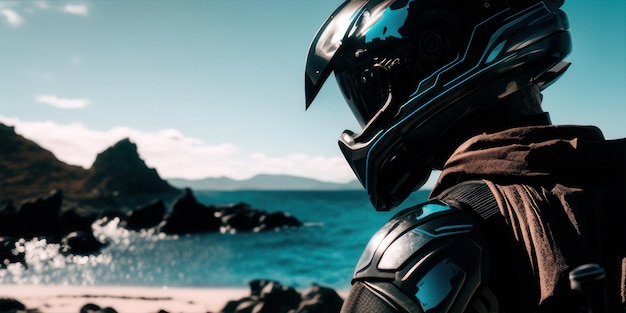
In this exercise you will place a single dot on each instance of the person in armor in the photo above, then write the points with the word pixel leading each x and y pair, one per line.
pixel 526 216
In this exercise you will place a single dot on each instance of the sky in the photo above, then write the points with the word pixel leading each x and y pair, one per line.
pixel 216 88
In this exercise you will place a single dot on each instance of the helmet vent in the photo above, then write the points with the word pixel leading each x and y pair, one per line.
pixel 432 44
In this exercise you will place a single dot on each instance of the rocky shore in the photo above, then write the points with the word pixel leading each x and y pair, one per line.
pixel 42 197
pixel 46 218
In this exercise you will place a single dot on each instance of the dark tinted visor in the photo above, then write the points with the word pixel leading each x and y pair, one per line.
pixel 365 91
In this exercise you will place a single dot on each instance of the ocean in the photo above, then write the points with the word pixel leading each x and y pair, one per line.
pixel 337 226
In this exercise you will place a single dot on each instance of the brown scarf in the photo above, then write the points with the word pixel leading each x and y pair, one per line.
pixel 561 191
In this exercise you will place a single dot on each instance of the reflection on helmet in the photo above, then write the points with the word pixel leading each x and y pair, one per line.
pixel 410 69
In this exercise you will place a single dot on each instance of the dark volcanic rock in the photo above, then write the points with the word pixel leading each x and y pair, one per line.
pixel 277 220
pixel 77 219
pixel 34 218
pixel 270 296
pixel 145 217
pixel 11 305
pixel 9 225
pixel 189 216
pixel 82 243
pixel 8 252
pixel 44 217
pixel 239 217
pixel 94 308
pixel 319 299
pixel 39 217
pixel 120 171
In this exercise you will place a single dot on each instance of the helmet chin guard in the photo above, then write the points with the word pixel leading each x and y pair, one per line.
pixel 410 75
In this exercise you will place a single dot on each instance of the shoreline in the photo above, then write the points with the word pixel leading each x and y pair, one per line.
pixel 125 299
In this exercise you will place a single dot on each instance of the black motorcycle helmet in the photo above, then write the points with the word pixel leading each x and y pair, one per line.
pixel 411 69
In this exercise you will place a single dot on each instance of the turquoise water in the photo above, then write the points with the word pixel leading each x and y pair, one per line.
pixel 338 224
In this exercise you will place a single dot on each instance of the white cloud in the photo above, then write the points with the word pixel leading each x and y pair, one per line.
pixel 15 19
pixel 41 5
pixel 63 103
pixel 173 154
pixel 12 17
pixel 78 9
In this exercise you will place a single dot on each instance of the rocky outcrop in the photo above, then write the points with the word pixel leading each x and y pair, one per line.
pixel 320 299
pixel 271 296
pixel 8 252
pixel 94 308
pixel 11 305
pixel 189 216
pixel 120 171
pixel 243 217
pixel 36 217
pixel 72 227
pixel 145 217
pixel 81 243
pixel 43 217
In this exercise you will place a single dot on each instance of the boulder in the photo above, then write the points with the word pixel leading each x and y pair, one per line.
pixel 243 217
pixel 145 217
pixel 232 208
pixel 241 220
pixel 278 298
pixel 81 243
pixel 39 217
pixel 277 220
pixel 11 305
pixel 265 296
pixel 94 308
pixel 319 299
pixel 9 254
pixel 75 219
pixel 9 224
pixel 270 296
pixel 189 216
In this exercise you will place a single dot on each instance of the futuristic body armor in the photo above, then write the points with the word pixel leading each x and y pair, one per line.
pixel 433 257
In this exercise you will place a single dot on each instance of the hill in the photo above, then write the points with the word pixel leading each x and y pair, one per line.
pixel 262 182
pixel 118 173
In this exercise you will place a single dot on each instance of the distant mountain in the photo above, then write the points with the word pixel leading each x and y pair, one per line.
pixel 263 182
pixel 118 173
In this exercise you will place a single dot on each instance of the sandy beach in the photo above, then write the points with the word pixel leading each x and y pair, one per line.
pixel 69 299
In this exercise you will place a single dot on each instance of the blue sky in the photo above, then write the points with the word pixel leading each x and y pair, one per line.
pixel 216 88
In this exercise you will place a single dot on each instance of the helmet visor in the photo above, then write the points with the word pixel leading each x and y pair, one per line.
pixel 365 91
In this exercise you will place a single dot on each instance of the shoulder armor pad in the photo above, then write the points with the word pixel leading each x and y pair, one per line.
pixel 435 252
